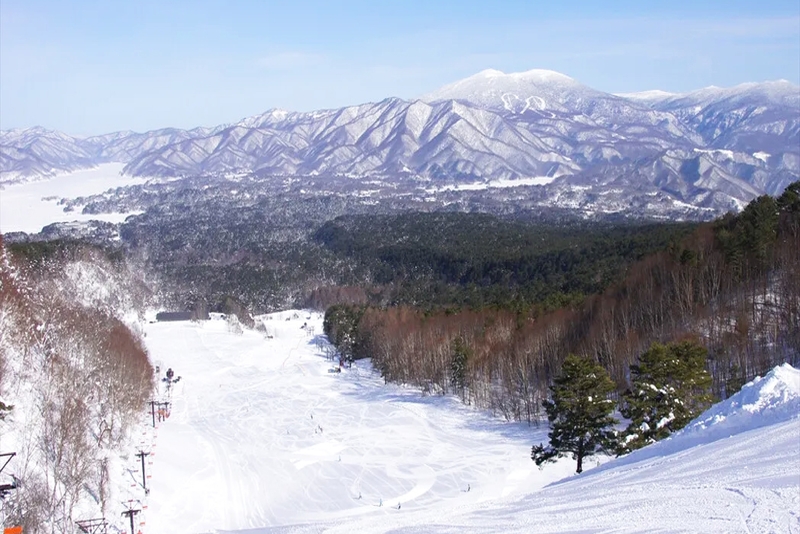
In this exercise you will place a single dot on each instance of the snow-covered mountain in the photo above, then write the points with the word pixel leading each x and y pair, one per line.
pixel 714 148
pixel 750 120
pixel 33 153
pixel 389 137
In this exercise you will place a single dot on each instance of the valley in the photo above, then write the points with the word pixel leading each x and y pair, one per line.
pixel 518 302
pixel 569 148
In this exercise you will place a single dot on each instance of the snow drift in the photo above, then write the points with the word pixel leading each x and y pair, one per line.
pixel 775 398
pixel 765 401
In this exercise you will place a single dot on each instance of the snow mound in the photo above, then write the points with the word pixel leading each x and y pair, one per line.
pixel 767 400
pixel 763 402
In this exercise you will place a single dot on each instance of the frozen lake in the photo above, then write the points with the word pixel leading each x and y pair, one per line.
pixel 30 206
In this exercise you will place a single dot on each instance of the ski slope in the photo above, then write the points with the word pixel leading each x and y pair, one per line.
pixel 263 438
pixel 262 434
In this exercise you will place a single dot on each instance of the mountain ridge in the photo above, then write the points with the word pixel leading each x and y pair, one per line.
pixel 736 142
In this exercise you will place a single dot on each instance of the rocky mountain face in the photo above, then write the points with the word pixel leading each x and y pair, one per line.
pixel 562 143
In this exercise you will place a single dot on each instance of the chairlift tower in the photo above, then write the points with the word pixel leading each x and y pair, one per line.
pixel 131 513
pixel 93 526
pixel 142 454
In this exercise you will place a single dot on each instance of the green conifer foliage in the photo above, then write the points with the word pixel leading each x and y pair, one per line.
pixel 579 412
pixel 669 387
pixel 458 367
pixel 5 409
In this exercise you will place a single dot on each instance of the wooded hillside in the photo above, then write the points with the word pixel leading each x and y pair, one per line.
pixel 74 376
pixel 733 285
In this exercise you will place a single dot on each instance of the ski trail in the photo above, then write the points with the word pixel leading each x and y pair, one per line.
pixel 262 435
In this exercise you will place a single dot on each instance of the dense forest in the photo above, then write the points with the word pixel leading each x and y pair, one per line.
pixel 200 249
pixel 478 260
pixel 732 285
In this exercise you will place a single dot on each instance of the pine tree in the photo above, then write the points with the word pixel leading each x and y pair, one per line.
pixel 579 412
pixel 669 387
pixel 5 409
pixel 458 366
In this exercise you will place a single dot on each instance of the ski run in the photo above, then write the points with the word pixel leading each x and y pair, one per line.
pixel 263 436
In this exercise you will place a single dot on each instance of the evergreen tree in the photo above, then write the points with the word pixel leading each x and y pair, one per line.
pixel 669 387
pixel 341 327
pixel 579 412
pixel 458 366
pixel 736 379
pixel 5 409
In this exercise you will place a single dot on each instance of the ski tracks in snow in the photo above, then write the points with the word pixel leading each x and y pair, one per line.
pixel 263 435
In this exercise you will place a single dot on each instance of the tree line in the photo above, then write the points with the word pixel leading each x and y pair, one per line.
pixel 733 285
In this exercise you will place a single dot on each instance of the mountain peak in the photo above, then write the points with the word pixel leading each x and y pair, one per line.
pixel 270 116
pixel 648 96
pixel 543 75
pixel 533 75
pixel 514 92
pixel 496 80
pixel 780 92
pixel 490 73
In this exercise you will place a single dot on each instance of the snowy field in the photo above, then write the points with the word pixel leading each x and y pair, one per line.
pixel 28 207
pixel 263 438
pixel 494 184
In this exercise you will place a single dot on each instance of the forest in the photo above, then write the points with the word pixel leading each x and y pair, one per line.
pixel 731 285
pixel 479 260
pixel 201 249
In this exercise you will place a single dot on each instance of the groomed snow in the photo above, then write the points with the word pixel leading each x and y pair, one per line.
pixel 262 438
pixel 23 207
pixel 262 434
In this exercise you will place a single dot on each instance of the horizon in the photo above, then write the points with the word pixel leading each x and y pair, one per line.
pixel 412 99
pixel 89 68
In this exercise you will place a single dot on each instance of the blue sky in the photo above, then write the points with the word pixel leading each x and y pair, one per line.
pixel 88 67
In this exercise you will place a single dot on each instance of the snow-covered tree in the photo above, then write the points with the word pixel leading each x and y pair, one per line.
pixel 579 412
pixel 669 387
pixel 5 409
pixel 77 376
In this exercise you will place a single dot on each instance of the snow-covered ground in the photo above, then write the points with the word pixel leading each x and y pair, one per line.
pixel 494 184
pixel 262 434
pixel 263 438
pixel 28 207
